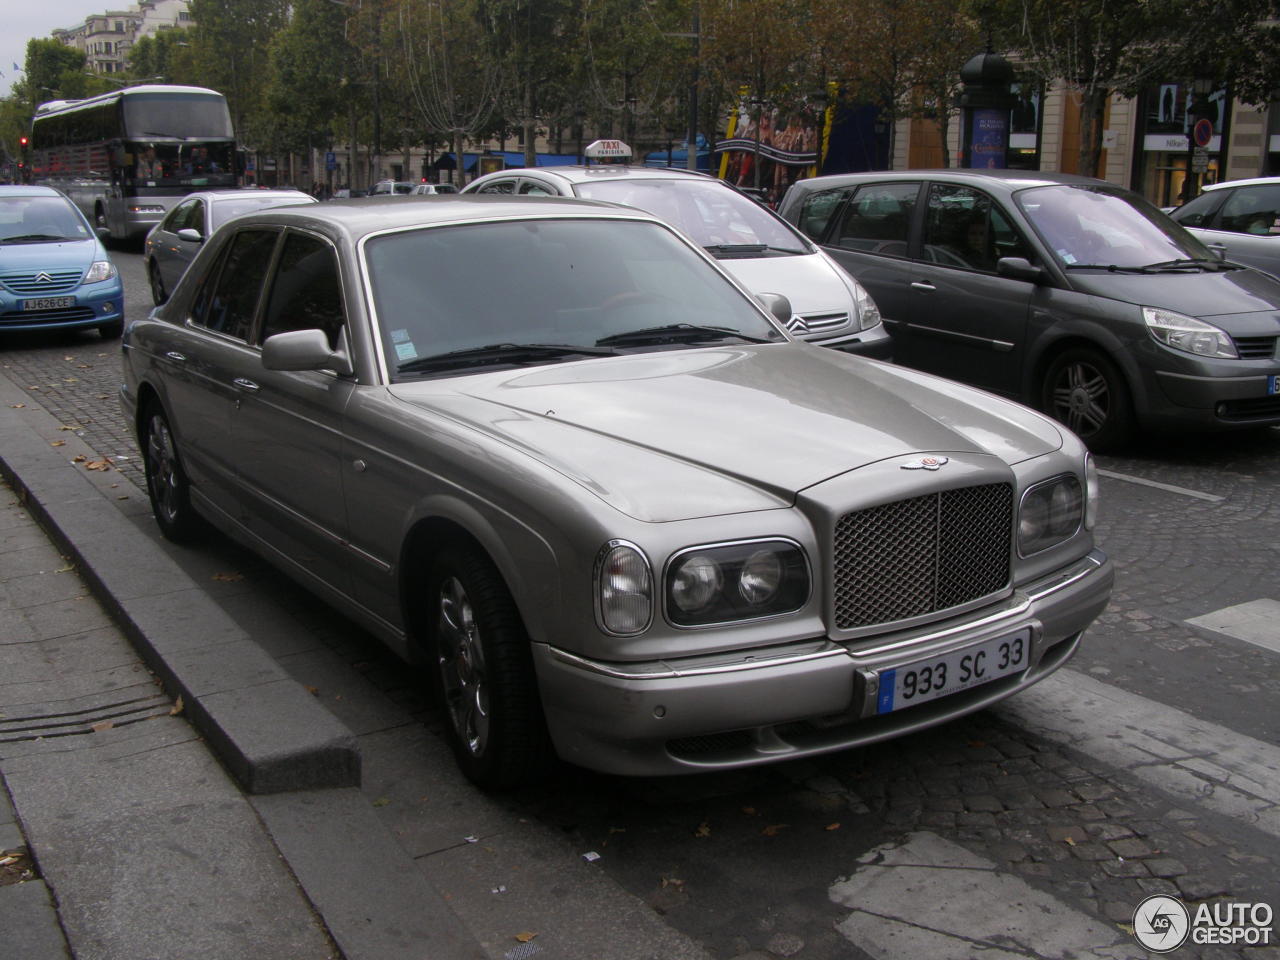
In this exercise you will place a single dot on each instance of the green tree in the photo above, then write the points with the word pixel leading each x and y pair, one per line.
pixel 230 45
pixel 311 64
pixel 166 54
pixel 53 71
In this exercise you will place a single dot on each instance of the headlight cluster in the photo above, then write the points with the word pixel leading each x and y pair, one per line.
pixel 100 270
pixel 1188 334
pixel 736 581
pixel 868 312
pixel 703 585
pixel 1053 511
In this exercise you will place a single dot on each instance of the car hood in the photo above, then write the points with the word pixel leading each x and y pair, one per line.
pixel 809 281
pixel 1199 294
pixel 679 434
pixel 65 255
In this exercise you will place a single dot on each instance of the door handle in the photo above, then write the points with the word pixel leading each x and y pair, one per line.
pixel 176 357
pixel 924 285
pixel 246 385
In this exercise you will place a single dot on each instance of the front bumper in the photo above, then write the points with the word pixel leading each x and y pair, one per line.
pixel 1218 401
pixel 96 305
pixel 800 699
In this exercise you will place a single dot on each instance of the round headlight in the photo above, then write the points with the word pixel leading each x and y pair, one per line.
pixel 624 588
pixel 696 583
pixel 760 577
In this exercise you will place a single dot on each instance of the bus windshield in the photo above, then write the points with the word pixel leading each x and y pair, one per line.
pixel 156 163
pixel 176 116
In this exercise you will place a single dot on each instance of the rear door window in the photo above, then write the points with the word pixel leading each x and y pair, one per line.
pixel 817 210
pixel 878 219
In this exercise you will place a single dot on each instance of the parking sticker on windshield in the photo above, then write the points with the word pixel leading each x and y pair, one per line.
pixel 405 349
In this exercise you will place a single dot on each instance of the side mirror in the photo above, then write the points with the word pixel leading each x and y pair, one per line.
pixel 304 350
pixel 191 235
pixel 1020 268
pixel 778 305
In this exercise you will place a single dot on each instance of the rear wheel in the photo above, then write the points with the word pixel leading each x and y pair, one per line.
pixel 167 484
pixel 158 293
pixel 1086 391
pixel 482 670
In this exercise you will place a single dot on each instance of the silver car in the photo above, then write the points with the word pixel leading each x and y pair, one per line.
pixel 764 252
pixel 173 243
pixel 550 450
pixel 1239 219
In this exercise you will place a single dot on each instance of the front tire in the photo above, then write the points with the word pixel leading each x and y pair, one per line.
pixel 1085 391
pixel 167 484
pixel 482 671
pixel 158 293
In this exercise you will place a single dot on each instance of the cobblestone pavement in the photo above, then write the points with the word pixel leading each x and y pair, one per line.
pixel 744 862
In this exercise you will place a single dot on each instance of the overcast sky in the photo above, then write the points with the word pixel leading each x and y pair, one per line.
pixel 25 19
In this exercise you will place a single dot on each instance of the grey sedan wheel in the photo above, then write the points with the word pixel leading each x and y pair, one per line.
pixel 1085 391
pixel 166 482
pixel 158 293
pixel 483 673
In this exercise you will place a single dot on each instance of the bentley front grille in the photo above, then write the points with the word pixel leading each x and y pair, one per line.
pixel 915 557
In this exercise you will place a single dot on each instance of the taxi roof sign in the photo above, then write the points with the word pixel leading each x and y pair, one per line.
pixel 607 149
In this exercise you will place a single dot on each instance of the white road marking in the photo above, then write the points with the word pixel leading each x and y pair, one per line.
pixel 1167 487
pixel 1201 762
pixel 928 897
pixel 1256 622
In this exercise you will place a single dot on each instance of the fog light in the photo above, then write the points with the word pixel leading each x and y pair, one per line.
pixel 108 307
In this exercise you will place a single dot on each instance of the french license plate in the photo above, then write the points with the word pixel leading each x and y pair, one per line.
pixel 927 680
pixel 1273 385
pixel 48 303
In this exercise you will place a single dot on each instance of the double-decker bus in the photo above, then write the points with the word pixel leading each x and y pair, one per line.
pixel 127 157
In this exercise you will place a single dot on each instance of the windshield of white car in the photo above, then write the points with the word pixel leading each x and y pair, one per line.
pixel 1101 228
pixel 710 213
pixel 545 291
pixel 39 220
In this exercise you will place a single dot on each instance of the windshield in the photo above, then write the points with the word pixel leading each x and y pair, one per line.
pixel 40 220
pixel 224 210
pixel 1096 226
pixel 151 163
pixel 449 298
pixel 178 115
pixel 710 213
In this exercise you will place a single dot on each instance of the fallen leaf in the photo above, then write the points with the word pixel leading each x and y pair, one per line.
pixel 124 497
pixel 79 458
pixel 67 569
pixel 525 937
pixel 57 443
pixel 102 725
pixel 70 380
pixel 1070 841
pixel 832 826
pixel 314 691
pixel 749 811
pixel 673 882
pixel 617 830
pixel 17 406
pixel 1126 928
pixel 704 830
pixel 381 801
pixel 177 707
pixel 977 743
pixel 63 426
pixel 227 577
pixel 774 829
pixel 98 465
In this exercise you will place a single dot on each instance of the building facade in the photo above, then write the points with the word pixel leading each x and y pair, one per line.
pixel 105 39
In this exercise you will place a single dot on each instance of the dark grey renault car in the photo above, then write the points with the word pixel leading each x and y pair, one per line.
pixel 1068 293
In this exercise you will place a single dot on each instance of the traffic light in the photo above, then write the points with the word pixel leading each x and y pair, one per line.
pixel 22 142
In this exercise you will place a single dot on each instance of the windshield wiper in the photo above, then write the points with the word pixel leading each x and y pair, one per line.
pixel 500 353
pixel 1183 264
pixel 676 333
pixel 27 237
pixel 1111 267
pixel 732 248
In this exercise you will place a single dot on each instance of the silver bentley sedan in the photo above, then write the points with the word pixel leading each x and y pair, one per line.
pixel 550 450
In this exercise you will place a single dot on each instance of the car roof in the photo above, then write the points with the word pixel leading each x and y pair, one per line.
pixel 1247 182
pixel 1009 180
pixel 245 194
pixel 604 171
pixel 23 190
pixel 362 216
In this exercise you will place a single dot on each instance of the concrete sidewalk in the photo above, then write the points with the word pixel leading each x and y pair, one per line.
pixel 205 761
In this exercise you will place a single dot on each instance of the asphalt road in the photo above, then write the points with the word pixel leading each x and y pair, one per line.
pixel 1149 766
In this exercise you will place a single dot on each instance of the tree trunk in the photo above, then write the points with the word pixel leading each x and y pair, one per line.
pixel 1093 111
